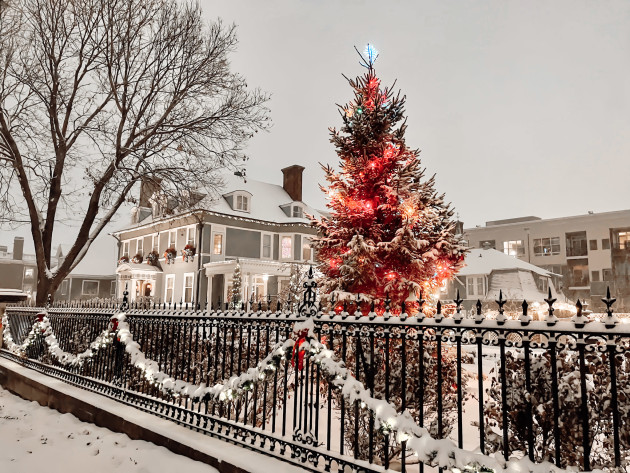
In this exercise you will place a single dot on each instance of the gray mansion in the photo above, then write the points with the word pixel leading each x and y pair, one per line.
pixel 191 255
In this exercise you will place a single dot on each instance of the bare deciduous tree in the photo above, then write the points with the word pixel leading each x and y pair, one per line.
pixel 98 95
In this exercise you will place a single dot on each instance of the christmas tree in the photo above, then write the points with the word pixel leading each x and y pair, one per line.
pixel 389 232
pixel 236 297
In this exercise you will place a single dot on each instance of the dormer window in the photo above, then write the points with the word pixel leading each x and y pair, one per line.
pixel 242 203
pixel 297 211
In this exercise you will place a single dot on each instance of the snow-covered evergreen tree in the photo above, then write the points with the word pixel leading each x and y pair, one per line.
pixel 236 296
pixel 389 232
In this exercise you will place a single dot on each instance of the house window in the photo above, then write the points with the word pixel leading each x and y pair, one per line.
pixel 190 236
pixel 592 244
pixel 155 242
pixel 542 284
pixel 595 276
pixel 139 247
pixel 125 248
pixel 28 273
pixel 217 245
pixel 188 286
pixel 306 251
pixel 487 244
pixel 89 288
pixel 514 248
pixel 475 286
pixel 242 203
pixel 64 288
pixel 607 274
pixel 286 247
pixel 546 246
pixel 170 284
pixel 297 211
pixel 172 238
pixel 605 243
pixel 266 248
pixel 112 288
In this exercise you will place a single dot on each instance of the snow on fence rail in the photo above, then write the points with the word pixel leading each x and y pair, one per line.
pixel 326 390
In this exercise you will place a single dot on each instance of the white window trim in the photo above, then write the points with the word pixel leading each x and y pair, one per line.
pixel 174 243
pixel 98 287
pixel 193 229
pixel 169 277
pixel 125 248
pixel 113 285
pixel 61 291
pixel 192 287
pixel 140 246
pixel 475 292
pixel 262 245
pixel 242 194
pixel 299 206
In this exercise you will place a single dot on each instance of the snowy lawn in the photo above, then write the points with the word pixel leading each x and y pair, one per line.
pixel 36 438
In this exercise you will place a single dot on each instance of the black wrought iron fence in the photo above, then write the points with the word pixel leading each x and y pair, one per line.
pixel 548 390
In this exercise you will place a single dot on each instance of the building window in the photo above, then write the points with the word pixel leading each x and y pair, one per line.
pixel 112 288
pixel 190 236
pixel 297 211
pixel 595 276
pixel 172 238
pixel 546 246
pixel 487 244
pixel 624 240
pixel 605 243
pixel 514 248
pixel 286 247
pixel 155 242
pixel 306 251
pixel 139 246
pixel 592 244
pixel 242 203
pixel 28 273
pixel 125 248
pixel 188 286
pixel 170 284
pixel 89 288
pixel 542 284
pixel 266 248
pixel 64 287
pixel 217 244
pixel 475 286
pixel 607 274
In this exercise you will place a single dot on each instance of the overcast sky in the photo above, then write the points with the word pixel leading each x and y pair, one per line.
pixel 520 107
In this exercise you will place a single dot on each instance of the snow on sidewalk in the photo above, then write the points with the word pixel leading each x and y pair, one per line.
pixel 36 438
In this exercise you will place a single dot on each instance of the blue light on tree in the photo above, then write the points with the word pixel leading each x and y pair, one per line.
pixel 371 53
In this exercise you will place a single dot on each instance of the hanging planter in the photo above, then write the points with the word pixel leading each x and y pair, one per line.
pixel 169 255
pixel 123 259
pixel 152 258
pixel 188 253
pixel 137 259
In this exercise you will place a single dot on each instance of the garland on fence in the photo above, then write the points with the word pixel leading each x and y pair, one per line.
pixel 441 453
pixel 42 329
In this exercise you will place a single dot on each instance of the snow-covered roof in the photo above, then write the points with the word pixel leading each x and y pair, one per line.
pixel 484 261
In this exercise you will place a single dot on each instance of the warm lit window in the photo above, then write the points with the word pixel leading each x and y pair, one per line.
pixel 546 246
pixel 286 247
pixel 170 284
pixel 90 288
pixel 190 236
pixel 139 247
pixel 64 288
pixel 242 203
pixel 125 248
pixel 217 245
pixel 624 240
pixel 297 211
pixel 514 248
pixel 188 287
pixel 172 238
pixel 266 249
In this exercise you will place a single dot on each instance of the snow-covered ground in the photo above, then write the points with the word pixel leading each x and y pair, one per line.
pixel 36 438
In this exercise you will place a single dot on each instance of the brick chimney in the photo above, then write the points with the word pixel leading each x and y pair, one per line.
pixel 18 248
pixel 292 182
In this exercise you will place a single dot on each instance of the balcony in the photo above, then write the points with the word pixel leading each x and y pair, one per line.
pixel 577 249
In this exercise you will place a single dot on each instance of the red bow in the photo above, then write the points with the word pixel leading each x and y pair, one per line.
pixel 297 353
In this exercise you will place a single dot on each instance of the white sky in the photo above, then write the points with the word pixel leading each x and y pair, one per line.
pixel 520 107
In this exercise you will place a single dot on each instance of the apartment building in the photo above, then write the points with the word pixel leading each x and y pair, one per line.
pixel 191 255
pixel 590 251
pixel 18 270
